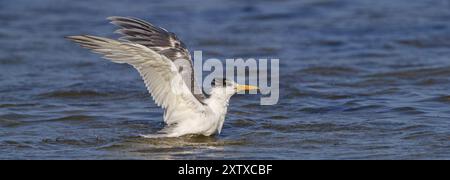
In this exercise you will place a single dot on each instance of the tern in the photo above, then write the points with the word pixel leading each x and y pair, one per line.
pixel 166 66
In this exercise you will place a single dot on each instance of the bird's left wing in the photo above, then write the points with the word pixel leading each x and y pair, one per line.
pixel 166 43
pixel 160 75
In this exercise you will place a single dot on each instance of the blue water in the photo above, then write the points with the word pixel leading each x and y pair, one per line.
pixel 359 80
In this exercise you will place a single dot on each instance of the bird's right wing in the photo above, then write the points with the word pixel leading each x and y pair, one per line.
pixel 160 75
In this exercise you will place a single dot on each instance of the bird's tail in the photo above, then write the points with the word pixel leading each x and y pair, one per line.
pixel 167 132
pixel 153 136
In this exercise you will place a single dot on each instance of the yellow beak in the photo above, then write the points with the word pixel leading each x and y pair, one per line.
pixel 245 88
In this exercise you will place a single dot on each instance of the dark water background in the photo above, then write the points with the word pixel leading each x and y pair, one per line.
pixel 359 80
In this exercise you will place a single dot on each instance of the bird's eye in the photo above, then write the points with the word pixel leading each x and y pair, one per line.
pixel 220 82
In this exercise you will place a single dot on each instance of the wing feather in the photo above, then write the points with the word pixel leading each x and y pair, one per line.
pixel 160 75
pixel 161 41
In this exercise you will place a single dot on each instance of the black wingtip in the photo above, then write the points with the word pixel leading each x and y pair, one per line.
pixel 76 37
pixel 71 38
pixel 119 18
pixel 113 18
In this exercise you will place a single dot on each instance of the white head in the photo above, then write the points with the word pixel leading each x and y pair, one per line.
pixel 221 92
pixel 223 88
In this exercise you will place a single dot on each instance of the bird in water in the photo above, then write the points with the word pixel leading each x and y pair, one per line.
pixel 166 67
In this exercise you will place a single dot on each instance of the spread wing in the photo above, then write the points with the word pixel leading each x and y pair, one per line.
pixel 160 74
pixel 163 42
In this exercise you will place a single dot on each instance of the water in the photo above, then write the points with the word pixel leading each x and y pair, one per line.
pixel 359 80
